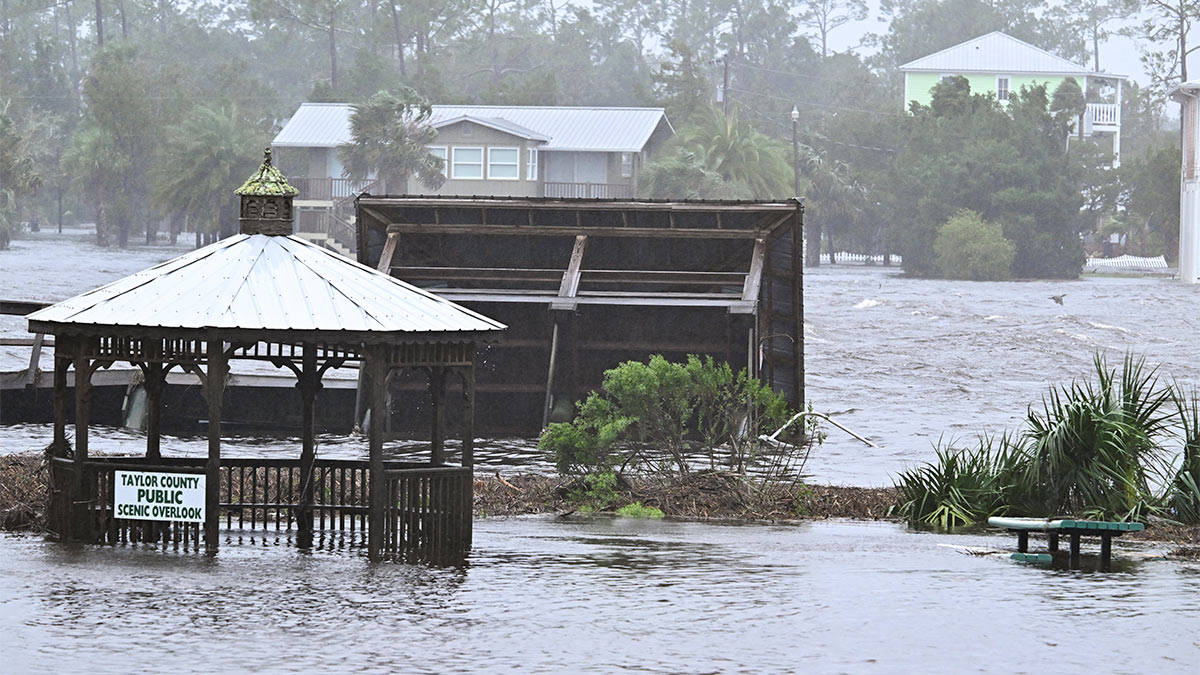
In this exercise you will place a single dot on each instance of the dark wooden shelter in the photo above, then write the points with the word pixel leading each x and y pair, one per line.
pixel 589 283
pixel 266 296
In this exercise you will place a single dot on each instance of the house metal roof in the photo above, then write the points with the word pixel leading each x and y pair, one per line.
pixel 327 125
pixel 497 123
pixel 997 52
pixel 265 283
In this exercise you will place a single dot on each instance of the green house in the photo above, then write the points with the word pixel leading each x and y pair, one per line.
pixel 1000 65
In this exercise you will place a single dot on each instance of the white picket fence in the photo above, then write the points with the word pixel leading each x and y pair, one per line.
pixel 860 259
pixel 1127 262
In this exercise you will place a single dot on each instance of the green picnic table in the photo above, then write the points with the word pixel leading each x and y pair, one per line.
pixel 1105 529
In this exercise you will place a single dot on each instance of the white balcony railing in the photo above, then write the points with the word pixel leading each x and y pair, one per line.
pixel 1102 115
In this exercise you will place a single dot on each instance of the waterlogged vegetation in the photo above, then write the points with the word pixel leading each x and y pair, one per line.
pixel 697 423
pixel 1101 448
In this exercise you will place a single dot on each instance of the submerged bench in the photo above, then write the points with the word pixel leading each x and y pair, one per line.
pixel 1105 529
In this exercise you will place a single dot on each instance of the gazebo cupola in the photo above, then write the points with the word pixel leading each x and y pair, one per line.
pixel 266 201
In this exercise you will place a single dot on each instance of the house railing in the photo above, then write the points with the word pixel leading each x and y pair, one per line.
pixel 588 190
pixel 1103 115
pixel 329 189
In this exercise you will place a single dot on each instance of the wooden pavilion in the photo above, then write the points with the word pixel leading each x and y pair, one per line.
pixel 589 283
pixel 267 296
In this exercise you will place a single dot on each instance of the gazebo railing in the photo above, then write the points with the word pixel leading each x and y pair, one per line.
pixel 427 513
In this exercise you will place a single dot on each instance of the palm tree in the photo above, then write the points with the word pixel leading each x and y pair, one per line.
pixel 210 151
pixel 391 132
pixel 833 197
pixel 738 152
pixel 94 161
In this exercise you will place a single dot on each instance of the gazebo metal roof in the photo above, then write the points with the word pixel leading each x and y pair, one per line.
pixel 258 282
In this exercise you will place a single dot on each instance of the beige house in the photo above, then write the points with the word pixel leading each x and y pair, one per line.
pixel 508 151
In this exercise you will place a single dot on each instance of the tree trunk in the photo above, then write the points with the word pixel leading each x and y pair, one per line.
pixel 74 55
pixel 333 83
pixel 101 218
pixel 399 35
pixel 121 13
pixel 813 256
pixel 99 25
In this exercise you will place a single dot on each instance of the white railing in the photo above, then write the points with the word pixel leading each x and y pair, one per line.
pixel 1103 115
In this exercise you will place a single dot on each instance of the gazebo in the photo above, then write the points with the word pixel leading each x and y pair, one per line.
pixel 264 295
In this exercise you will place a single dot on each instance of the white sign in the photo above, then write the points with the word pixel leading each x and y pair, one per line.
pixel 145 495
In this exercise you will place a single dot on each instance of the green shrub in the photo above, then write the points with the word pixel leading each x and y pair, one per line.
pixel 968 247
pixel 597 492
pixel 658 416
pixel 638 510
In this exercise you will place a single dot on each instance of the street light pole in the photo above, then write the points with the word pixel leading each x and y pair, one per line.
pixel 796 149
pixel 798 265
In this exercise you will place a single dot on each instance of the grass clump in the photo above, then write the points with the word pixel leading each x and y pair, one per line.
pixel 1094 449
pixel 638 510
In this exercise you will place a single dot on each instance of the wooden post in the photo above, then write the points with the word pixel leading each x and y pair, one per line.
pixel 550 376
pixel 384 265
pixel 309 383
pixel 154 382
pixel 1022 541
pixel 1052 544
pixel 375 360
pixel 63 347
pixel 1105 551
pixel 214 392
pixel 468 440
pixel 437 392
pixel 1074 562
pixel 81 516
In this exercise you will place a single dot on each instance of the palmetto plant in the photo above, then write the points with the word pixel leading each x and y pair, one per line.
pixel 1090 450
pixel 961 488
pixel 1184 492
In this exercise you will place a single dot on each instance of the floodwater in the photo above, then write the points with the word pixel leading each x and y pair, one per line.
pixel 900 361
pixel 597 595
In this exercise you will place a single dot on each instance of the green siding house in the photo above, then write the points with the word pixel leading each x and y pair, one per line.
pixel 1000 65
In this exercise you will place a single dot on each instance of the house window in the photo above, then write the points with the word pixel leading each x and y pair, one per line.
pixel 504 163
pixel 626 164
pixel 467 164
pixel 531 164
pixel 1002 88
pixel 439 151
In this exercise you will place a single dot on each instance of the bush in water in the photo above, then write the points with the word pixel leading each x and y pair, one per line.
pixel 969 247
pixel 657 416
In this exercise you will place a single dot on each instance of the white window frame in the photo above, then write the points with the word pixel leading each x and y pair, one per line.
pixel 626 165
pixel 455 163
pixel 531 164
pixel 515 164
pixel 445 157
pixel 1007 88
